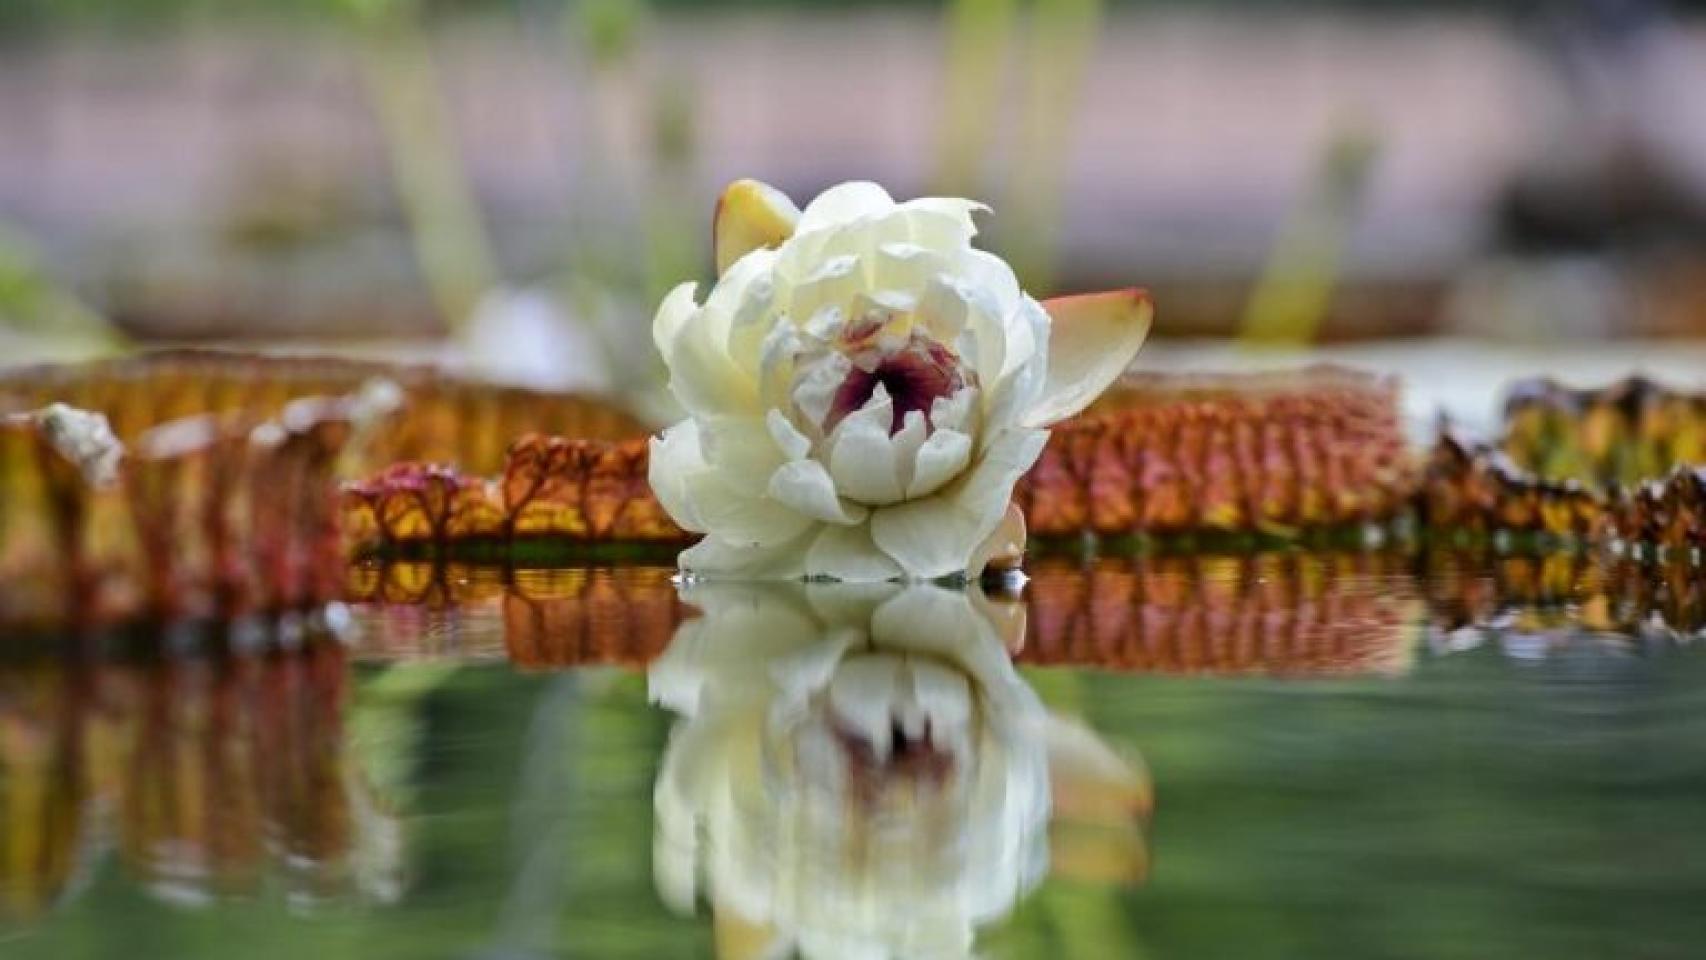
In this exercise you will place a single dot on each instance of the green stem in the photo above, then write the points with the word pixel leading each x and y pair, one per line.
pixel 444 219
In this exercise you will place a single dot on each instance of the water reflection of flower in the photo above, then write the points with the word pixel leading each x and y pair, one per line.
pixel 859 771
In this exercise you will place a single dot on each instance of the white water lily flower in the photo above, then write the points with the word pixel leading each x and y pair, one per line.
pixel 863 388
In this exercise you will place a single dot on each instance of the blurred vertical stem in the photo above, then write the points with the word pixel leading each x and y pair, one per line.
pixel 632 241
pixel 1063 39
pixel 980 33
pixel 1292 296
pixel 450 241
pixel 540 834
pixel 673 249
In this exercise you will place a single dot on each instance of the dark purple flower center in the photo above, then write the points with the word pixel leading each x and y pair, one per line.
pixel 913 376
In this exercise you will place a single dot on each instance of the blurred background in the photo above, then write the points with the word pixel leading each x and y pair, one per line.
pixel 512 183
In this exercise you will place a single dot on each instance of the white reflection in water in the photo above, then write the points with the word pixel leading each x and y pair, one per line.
pixel 857 771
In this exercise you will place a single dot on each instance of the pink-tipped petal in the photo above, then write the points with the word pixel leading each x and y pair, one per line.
pixel 1093 338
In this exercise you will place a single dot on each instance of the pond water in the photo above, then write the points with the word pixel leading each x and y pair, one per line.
pixel 1272 757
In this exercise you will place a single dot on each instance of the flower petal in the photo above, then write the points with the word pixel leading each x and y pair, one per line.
pixel 805 486
pixel 740 517
pixel 940 459
pixel 955 411
pixel 1010 453
pixel 1005 548
pixel 717 558
pixel 742 449
pixel 938 230
pixel 944 312
pixel 747 296
pixel 814 393
pixel 701 373
pixel 844 202
pixel 677 308
pixel 787 437
pixel 938 536
pixel 831 283
pixel 907 442
pixel 907 266
pixel 849 553
pixel 862 455
pixel 750 215
pixel 1020 388
pixel 1094 339
pixel 676 456
pixel 990 276
pixel 942 222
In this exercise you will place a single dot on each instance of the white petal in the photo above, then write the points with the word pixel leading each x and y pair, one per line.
pixel 752 320
pixel 1027 327
pixel 939 535
pixel 944 312
pixel 677 308
pixel 929 538
pixel 742 449
pixel 983 342
pixel 883 305
pixel 831 283
pixel 941 459
pixel 907 266
pixel 859 238
pixel 676 456
pixel 1020 389
pixel 788 439
pixel 815 392
pixel 941 221
pixel 844 202
pixel 711 370
pixel 805 486
pixel 750 279
pixel 702 375
pixel 956 411
pixel 984 271
pixel 939 231
pixel 862 457
pixel 716 558
pixel 907 442
pixel 778 354
pixel 849 553
pixel 1092 339
pixel 825 324
pixel 737 516
pixel 1010 454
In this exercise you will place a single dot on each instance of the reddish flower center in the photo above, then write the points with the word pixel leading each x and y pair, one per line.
pixel 913 376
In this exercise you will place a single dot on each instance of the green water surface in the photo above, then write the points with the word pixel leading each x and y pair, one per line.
pixel 1483 804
